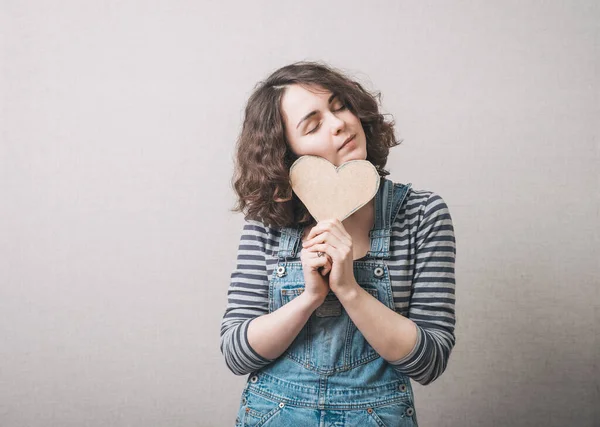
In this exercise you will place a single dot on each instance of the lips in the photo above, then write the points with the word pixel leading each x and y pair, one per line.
pixel 350 138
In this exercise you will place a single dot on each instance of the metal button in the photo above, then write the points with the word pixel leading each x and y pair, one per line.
pixel 281 271
pixel 370 410
pixel 378 272
pixel 281 405
pixel 410 412
pixel 243 401
pixel 402 387
pixel 254 379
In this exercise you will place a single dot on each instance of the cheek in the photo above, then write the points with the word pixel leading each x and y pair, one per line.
pixel 303 146
pixel 311 147
pixel 359 125
pixel 352 117
pixel 316 145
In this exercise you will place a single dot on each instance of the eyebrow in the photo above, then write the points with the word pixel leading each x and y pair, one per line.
pixel 312 113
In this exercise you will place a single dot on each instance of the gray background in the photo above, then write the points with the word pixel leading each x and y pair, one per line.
pixel 118 122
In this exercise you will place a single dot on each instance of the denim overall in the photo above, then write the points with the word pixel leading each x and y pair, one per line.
pixel 330 375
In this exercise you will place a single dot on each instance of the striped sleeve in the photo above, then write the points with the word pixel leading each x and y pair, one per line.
pixel 433 296
pixel 247 298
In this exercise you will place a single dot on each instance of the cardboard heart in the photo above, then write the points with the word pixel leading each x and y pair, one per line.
pixel 333 192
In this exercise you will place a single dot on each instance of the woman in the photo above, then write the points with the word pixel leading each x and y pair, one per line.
pixel 332 319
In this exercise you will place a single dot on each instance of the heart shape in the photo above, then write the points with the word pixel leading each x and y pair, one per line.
pixel 330 192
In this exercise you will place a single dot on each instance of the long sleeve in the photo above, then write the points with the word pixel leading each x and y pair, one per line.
pixel 433 294
pixel 248 297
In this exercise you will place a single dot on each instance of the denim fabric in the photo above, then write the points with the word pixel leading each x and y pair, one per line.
pixel 330 375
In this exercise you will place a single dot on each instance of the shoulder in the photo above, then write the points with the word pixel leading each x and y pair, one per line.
pixel 427 199
pixel 262 228
pixel 420 198
pixel 261 234
pixel 420 203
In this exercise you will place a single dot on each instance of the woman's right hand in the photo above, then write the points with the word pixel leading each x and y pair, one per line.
pixel 316 269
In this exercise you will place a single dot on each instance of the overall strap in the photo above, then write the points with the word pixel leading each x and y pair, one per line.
pixel 388 200
pixel 289 242
pixel 400 193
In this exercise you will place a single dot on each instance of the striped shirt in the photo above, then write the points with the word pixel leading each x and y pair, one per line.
pixel 421 265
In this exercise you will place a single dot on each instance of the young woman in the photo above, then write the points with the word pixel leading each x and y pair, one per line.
pixel 332 319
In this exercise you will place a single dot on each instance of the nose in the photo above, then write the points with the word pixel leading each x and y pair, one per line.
pixel 337 124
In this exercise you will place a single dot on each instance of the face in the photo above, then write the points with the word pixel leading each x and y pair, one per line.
pixel 317 123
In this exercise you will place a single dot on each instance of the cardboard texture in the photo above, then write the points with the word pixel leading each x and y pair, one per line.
pixel 333 192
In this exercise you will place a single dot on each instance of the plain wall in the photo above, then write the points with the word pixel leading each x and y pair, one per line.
pixel 118 124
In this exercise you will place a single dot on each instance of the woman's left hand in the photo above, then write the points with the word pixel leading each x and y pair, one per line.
pixel 330 237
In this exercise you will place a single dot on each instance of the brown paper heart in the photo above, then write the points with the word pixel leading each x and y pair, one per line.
pixel 333 192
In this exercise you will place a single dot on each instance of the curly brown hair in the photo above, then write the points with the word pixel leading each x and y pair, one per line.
pixel 263 157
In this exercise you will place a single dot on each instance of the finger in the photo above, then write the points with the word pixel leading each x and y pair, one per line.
pixel 317 252
pixel 324 237
pixel 329 250
pixel 314 261
pixel 333 241
pixel 319 228
pixel 332 236
pixel 327 267
pixel 341 231
pixel 334 225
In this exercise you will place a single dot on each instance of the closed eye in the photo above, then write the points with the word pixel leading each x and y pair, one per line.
pixel 314 129
pixel 343 107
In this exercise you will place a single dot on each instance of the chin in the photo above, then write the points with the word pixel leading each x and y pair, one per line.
pixel 356 155
pixel 348 159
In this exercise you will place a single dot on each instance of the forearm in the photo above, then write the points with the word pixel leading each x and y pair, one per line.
pixel 271 334
pixel 391 335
